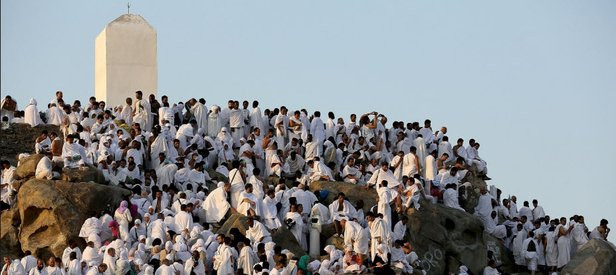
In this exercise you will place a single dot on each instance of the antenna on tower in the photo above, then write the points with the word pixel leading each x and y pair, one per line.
pixel 128 8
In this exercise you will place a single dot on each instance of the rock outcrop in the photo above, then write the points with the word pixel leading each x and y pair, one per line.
pixel 9 233
pixel 596 257
pixel 51 212
pixel 20 138
pixel 27 166
pixel 444 238
pixel 353 192
pixel 83 174
pixel 282 236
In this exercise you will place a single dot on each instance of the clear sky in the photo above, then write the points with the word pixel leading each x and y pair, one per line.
pixel 533 81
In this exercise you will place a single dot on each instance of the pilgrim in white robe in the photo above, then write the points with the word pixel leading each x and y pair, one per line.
pixel 214 122
pixel 31 114
pixel 399 231
pixel 430 170
pixel 306 199
pixel 410 165
pixel 379 176
pixel 498 231
pixel 28 262
pixel 252 203
pixel 200 113
pixel 551 248
pixel 386 196
pixel 237 186
pixel 223 260
pixel 194 266
pixel 484 206
pixel 44 169
pixel 216 205
pixel 397 162
pixel 123 219
pixel 127 114
pixel 450 199
pixel 15 268
pixel 517 247
pixel 579 235
pixel 185 134
pixel 270 213
pixel 298 229
pixel 351 171
pixel 183 221
pixel 143 114
pixel 420 144
pixel 348 211
pixel 257 187
pixel 258 234
pixel 56 116
pixel 166 173
pixel 321 212
pixel 379 234
pixel 73 155
pixel 564 247
pixel 356 237
pixel 159 145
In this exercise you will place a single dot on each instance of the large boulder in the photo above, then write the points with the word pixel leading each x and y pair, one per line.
pixel 444 238
pixel 83 174
pixel 216 177
pixel 596 257
pixel 52 212
pixel 286 240
pixel 353 192
pixel 234 221
pixel 471 194
pixel 282 236
pixel 27 166
pixel 9 235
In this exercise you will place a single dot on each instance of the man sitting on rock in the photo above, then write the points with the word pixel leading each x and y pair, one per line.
pixel 44 168
pixel 73 154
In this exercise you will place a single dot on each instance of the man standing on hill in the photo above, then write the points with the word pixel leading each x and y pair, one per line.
pixel 538 212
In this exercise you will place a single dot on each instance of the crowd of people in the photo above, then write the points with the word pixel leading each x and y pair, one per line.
pixel 162 153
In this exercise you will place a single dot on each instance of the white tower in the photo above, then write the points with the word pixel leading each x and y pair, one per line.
pixel 125 57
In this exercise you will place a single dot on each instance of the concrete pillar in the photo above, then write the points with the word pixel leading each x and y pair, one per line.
pixel 125 60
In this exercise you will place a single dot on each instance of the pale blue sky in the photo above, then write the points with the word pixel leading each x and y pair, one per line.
pixel 533 81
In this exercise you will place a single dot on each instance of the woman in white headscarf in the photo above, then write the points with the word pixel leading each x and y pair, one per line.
pixel 122 267
pixel 123 217
pixel 213 121
pixel 247 259
pixel 31 114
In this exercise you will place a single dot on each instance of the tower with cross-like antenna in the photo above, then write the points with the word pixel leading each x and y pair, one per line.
pixel 125 59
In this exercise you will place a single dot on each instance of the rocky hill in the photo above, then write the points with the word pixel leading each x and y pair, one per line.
pixel 50 213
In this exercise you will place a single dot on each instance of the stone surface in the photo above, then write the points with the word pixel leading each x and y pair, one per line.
pixel 282 236
pixel 352 192
pixel 52 212
pixel 234 221
pixel 286 240
pixel 445 237
pixel 20 138
pixel 596 257
pixel 472 193
pixel 27 166
pixel 9 235
pixel 337 242
pixel 83 174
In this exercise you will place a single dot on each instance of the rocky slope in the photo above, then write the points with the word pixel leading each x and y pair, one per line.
pixel 20 138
